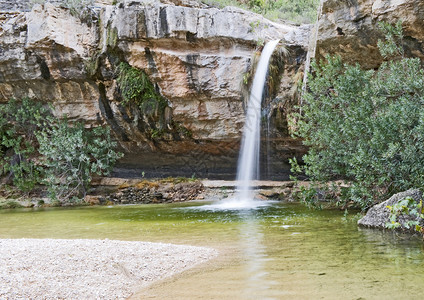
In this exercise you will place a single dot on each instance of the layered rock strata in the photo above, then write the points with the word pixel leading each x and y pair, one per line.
pixel 349 28
pixel 195 57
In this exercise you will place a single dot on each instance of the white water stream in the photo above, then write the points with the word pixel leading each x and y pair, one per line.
pixel 248 163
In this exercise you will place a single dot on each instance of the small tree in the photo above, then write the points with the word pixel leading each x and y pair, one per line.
pixel 18 144
pixel 72 154
pixel 366 127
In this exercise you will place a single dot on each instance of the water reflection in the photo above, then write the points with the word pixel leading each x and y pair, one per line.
pixel 281 251
pixel 255 254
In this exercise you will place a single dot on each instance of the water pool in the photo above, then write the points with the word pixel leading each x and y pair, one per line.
pixel 280 251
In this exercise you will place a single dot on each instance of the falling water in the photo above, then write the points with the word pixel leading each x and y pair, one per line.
pixel 248 163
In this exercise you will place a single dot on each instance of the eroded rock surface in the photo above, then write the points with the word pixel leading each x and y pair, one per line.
pixel 151 192
pixel 195 57
pixel 349 28
pixel 43 54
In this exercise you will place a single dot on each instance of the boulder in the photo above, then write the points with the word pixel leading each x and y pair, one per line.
pixel 378 215
pixel 92 200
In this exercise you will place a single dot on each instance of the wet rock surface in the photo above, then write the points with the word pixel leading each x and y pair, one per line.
pixel 150 192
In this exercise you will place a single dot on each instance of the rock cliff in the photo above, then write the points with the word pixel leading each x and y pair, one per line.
pixel 195 59
pixel 349 28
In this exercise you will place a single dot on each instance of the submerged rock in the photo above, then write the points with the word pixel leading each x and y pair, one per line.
pixel 378 215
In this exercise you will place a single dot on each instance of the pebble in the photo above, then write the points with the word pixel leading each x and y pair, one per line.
pixel 89 269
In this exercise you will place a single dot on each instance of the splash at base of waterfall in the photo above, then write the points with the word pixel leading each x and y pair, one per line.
pixel 238 204
pixel 235 203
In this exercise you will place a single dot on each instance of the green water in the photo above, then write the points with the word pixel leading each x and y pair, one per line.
pixel 282 251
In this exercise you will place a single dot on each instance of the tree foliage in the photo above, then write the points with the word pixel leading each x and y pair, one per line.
pixel 38 148
pixel 364 126
pixel 18 144
pixel 72 154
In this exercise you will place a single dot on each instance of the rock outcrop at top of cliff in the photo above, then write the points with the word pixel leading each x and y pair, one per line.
pixel 195 57
pixel 349 28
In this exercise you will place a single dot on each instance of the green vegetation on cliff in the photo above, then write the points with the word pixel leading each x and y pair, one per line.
pixel 365 127
pixel 37 148
pixel 140 94
pixel 136 87
pixel 75 6
pixel 19 123
pixel 297 11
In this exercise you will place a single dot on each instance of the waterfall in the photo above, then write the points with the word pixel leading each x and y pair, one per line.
pixel 248 163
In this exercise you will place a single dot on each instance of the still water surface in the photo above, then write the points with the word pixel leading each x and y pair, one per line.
pixel 281 251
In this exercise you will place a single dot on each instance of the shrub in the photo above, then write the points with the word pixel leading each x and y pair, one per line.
pixel 410 208
pixel 137 88
pixel 18 144
pixel 72 155
pixel 366 127
pixel 146 104
pixel 36 148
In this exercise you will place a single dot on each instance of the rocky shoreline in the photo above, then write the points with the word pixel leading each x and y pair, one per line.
pixel 89 269
pixel 121 191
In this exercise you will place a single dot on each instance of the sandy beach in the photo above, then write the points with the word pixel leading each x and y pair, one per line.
pixel 89 269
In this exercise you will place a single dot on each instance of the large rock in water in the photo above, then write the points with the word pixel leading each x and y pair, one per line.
pixel 195 56
pixel 378 215
pixel 349 28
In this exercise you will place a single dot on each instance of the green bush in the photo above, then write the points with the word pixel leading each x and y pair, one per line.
pixel 72 154
pixel 137 88
pixel 366 127
pixel 36 148
pixel 407 207
pixel 18 124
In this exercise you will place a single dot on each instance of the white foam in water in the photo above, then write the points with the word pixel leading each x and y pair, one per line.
pixel 236 204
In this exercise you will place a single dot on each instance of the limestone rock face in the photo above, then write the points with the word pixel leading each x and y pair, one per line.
pixel 349 28
pixel 195 57
pixel 43 54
